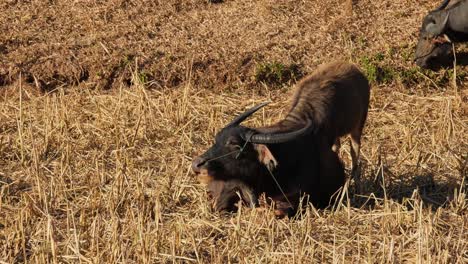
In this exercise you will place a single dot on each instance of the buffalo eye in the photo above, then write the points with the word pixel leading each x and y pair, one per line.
pixel 232 142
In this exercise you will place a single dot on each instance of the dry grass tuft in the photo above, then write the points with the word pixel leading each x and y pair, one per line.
pixel 103 176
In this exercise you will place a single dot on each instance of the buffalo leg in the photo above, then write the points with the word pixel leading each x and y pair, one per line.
pixel 355 151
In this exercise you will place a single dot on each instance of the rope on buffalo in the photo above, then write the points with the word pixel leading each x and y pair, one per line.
pixel 427 54
pixel 225 155
pixel 240 150
pixel 454 69
pixel 433 48
pixel 279 187
pixel 271 173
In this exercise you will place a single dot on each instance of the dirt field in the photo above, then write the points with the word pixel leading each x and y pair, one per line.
pixel 104 104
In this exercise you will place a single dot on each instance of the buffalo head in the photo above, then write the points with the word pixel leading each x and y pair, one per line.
pixel 434 48
pixel 241 153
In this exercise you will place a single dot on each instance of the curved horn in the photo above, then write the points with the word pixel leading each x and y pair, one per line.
pixel 437 29
pixel 275 138
pixel 246 114
pixel 442 6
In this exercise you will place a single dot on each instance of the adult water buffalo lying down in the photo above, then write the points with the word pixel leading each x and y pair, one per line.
pixel 293 156
pixel 447 23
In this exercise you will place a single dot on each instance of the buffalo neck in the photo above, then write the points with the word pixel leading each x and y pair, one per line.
pixel 298 162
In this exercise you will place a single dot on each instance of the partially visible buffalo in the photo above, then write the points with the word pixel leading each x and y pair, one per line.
pixel 225 194
pixel 445 24
pixel 296 151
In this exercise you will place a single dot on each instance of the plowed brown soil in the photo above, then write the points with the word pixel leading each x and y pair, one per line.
pixel 100 43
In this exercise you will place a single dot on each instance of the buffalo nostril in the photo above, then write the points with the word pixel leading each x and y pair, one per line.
pixel 197 163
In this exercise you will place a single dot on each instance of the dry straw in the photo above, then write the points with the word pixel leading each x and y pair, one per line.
pixel 103 176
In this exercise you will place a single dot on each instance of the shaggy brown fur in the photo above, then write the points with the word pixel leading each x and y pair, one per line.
pixel 335 97
pixel 335 100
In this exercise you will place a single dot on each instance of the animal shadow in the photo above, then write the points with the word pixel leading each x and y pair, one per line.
pixel 432 192
pixel 462 58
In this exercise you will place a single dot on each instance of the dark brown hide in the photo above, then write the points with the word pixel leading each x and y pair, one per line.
pixel 334 101
pixel 336 98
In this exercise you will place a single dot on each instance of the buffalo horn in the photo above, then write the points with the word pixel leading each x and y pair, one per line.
pixel 246 114
pixel 442 6
pixel 275 138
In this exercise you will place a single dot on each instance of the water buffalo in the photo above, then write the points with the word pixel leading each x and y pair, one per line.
pixel 446 24
pixel 295 155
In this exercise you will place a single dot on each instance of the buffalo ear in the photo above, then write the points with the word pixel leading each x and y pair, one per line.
pixel 265 156
pixel 437 27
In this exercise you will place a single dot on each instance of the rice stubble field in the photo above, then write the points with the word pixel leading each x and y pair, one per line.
pixel 104 105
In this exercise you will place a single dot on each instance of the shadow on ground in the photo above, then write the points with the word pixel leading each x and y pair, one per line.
pixel 462 58
pixel 400 188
